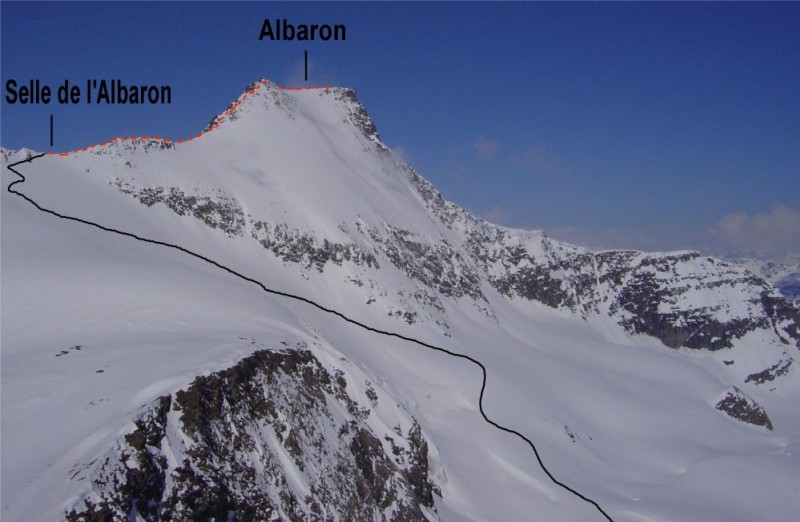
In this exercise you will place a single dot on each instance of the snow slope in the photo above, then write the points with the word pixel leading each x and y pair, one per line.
pixel 612 363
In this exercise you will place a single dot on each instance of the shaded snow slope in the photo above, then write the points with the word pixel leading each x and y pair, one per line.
pixel 613 363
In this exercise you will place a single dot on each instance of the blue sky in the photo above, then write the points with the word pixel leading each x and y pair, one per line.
pixel 627 125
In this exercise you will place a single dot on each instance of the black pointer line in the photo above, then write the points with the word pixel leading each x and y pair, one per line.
pixel 315 305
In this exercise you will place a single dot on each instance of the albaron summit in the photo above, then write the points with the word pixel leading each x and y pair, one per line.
pixel 281 29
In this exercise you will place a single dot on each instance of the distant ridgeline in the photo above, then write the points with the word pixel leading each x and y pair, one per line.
pixel 281 29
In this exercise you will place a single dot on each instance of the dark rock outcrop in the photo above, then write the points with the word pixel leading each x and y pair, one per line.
pixel 220 212
pixel 739 406
pixel 275 437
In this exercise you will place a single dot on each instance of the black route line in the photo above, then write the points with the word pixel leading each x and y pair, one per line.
pixel 315 305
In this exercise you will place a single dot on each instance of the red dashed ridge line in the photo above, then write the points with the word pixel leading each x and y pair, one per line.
pixel 219 119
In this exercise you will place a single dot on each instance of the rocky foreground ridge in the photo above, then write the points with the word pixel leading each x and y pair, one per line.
pixel 278 436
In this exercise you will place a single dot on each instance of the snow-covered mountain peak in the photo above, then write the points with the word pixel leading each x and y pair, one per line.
pixel 299 177
pixel 324 105
pixel 306 158
pixel 262 103
pixel 639 375
pixel 12 156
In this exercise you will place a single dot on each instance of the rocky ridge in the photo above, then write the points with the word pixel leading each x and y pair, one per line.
pixel 278 436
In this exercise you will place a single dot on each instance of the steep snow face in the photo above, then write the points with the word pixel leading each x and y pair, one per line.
pixel 642 378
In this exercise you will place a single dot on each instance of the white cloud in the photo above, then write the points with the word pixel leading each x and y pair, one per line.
pixel 401 151
pixel 761 235
pixel 533 159
pixel 611 238
pixel 317 75
pixel 486 148
pixel 296 75
pixel 497 215
pixel 774 236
